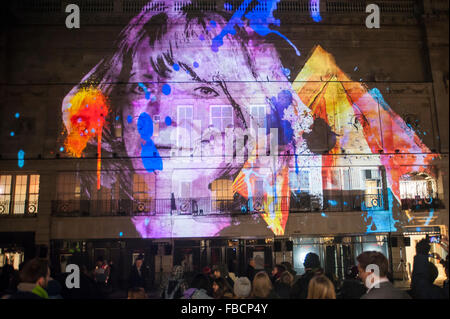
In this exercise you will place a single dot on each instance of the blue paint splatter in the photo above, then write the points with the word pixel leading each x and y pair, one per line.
pixel 196 65
pixel 146 221
pixel 129 119
pixel 121 234
pixel 286 71
pixel 381 220
pixel 355 69
pixel 12 133
pixel 21 158
pixel 345 203
pixel 332 202
pixel 147 92
pixel 176 67
pixel 117 117
pixel 260 17
pixel 151 159
pixel 168 121
pixel 201 37
pixel 213 23
pixel 61 149
pixel 314 8
pixel 324 215
pixel 278 105
pixel 166 89
pixel 227 6
pixel 17 115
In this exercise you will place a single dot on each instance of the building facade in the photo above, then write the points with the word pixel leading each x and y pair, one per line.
pixel 211 132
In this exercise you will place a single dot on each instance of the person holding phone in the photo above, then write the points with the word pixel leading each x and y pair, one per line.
pixel 424 274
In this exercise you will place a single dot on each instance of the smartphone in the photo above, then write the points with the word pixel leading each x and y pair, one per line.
pixel 435 239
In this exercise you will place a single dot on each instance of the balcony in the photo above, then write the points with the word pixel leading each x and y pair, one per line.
pixel 419 204
pixel 208 206
pixel 18 209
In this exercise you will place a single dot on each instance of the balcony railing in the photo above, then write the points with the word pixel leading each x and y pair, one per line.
pixel 208 206
pixel 422 204
pixel 18 208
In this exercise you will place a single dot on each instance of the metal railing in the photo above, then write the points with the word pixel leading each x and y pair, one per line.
pixel 298 203
pixel 18 208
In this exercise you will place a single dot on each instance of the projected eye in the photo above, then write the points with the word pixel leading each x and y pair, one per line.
pixel 138 89
pixel 207 91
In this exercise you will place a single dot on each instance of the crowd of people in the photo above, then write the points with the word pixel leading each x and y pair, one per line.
pixel 369 279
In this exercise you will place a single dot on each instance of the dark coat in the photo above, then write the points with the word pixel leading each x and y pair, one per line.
pixel 421 285
pixel 283 290
pixel 137 280
pixel 251 272
pixel 352 289
pixel 386 291
pixel 300 288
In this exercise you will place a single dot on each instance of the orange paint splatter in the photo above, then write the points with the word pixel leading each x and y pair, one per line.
pixel 87 111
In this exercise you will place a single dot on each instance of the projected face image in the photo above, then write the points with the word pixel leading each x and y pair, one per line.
pixel 207 111
pixel 195 91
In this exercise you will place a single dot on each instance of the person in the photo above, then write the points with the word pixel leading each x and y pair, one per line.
pixel 137 293
pixel 222 271
pixel 352 287
pixel 159 58
pixel 200 288
pixel 100 273
pixel 242 288
pixel 221 289
pixel 138 274
pixel 424 274
pixel 276 273
pixel 175 285
pixel 312 267
pixel 8 280
pixel 251 271
pixel 289 268
pixel 377 282
pixel 320 287
pixel 34 279
pixel 283 285
pixel 54 289
pixel 262 287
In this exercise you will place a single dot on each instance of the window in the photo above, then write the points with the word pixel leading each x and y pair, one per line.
pixel 5 193
pixel 184 128
pixel 140 187
pixel 68 187
pixel 222 194
pixel 185 189
pixel 373 187
pixel 20 194
pixel 22 191
pixel 418 191
pixel 258 121
pixel 300 181
pixel 221 117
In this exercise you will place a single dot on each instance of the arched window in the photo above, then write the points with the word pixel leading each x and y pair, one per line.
pixel 418 191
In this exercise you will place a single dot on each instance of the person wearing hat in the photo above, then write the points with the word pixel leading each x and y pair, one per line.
pixel 242 288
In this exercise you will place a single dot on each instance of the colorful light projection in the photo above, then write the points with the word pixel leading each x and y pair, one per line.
pixel 84 117
pixel 260 17
pixel 335 98
pixel 325 101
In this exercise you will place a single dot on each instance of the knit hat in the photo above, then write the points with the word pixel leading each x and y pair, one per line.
pixel 242 287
